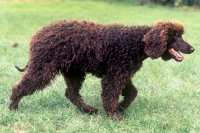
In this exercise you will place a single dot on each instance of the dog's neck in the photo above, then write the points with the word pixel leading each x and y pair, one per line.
pixel 140 31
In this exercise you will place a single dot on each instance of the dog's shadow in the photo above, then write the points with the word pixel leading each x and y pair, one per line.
pixel 54 100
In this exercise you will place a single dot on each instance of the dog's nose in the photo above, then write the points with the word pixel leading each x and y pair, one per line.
pixel 192 49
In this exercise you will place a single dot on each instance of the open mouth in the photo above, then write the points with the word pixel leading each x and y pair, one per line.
pixel 175 54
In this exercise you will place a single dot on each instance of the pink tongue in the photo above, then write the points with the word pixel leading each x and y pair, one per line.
pixel 176 54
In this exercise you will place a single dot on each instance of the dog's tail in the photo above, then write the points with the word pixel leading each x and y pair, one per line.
pixel 21 69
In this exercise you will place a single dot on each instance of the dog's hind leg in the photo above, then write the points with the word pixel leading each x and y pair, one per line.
pixel 34 79
pixel 129 93
pixel 74 80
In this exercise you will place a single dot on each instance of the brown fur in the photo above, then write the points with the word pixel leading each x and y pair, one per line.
pixel 112 52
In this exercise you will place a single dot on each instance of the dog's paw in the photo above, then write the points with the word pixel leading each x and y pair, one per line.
pixel 13 107
pixel 116 116
pixel 90 110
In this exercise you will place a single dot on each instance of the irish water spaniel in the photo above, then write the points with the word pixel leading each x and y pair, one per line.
pixel 112 52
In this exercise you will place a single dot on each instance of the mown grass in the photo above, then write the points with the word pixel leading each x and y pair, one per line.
pixel 169 92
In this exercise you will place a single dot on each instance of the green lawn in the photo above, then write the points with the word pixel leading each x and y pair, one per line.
pixel 169 92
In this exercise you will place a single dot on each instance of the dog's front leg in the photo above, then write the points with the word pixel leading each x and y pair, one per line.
pixel 129 93
pixel 112 86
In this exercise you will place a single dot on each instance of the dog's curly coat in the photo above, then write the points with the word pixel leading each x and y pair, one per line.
pixel 112 52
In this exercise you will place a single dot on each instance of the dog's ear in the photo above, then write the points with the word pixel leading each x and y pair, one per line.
pixel 156 41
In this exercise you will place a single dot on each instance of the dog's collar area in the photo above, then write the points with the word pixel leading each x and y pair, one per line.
pixel 175 54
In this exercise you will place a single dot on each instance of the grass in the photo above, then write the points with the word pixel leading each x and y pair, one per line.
pixel 169 92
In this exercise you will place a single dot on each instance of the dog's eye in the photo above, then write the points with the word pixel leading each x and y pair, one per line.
pixel 178 35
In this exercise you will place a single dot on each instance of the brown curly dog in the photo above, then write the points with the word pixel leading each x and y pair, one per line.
pixel 113 52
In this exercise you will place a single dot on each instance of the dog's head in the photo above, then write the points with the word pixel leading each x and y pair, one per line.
pixel 165 40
